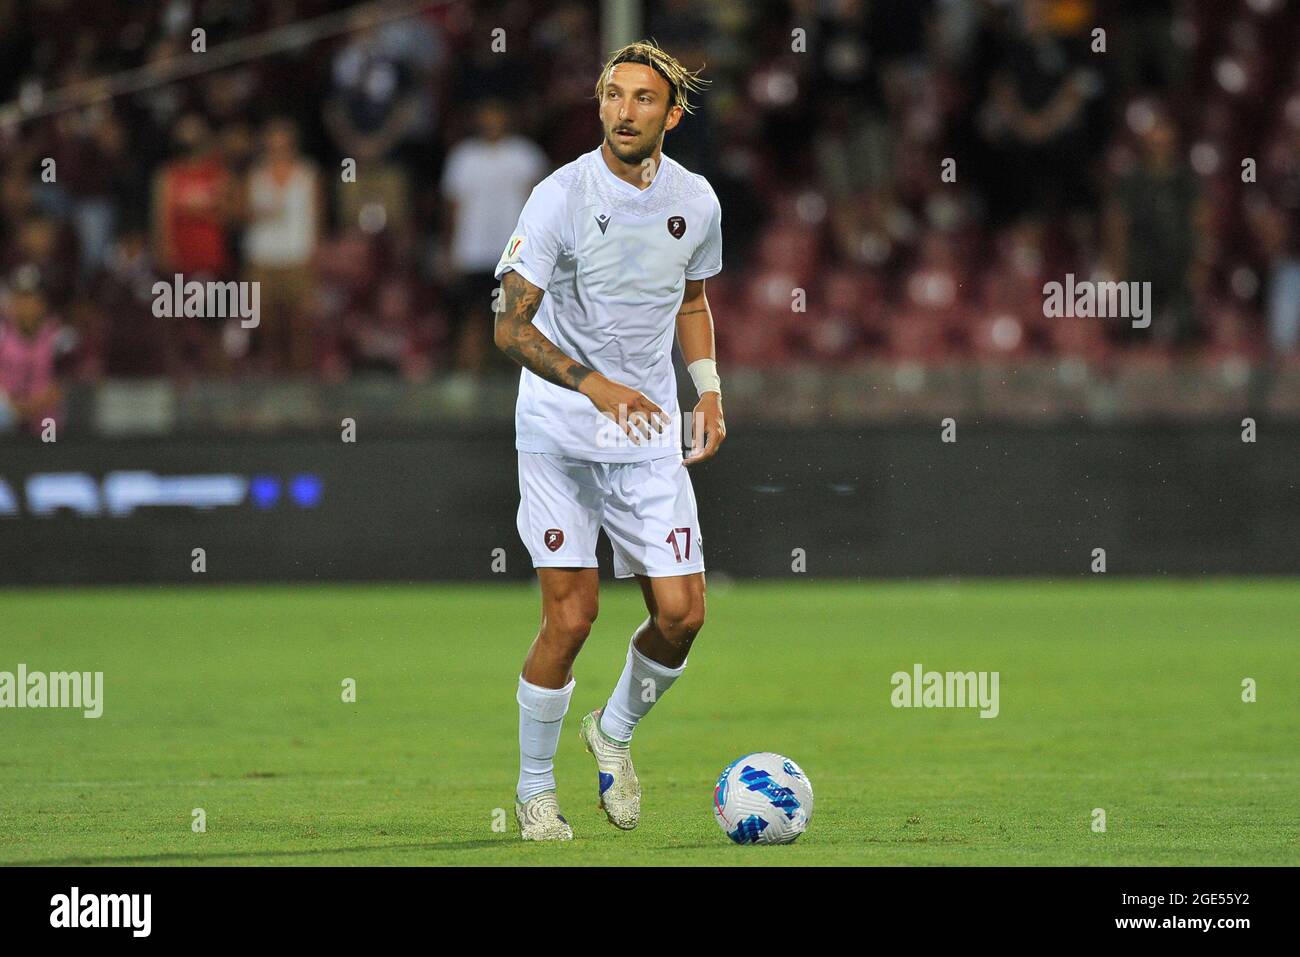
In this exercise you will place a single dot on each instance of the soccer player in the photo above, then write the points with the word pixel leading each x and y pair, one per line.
pixel 609 259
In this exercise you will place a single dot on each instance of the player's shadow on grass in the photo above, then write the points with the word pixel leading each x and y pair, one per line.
pixel 202 856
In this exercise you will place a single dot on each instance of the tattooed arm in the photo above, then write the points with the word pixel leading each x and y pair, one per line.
pixel 517 337
pixel 522 341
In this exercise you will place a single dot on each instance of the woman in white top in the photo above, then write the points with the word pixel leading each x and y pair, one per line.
pixel 284 207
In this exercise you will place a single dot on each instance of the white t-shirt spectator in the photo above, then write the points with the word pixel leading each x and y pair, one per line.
pixel 489 182
pixel 283 230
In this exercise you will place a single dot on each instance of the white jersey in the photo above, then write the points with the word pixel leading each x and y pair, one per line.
pixel 613 260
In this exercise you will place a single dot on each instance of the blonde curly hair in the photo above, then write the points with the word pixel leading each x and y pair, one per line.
pixel 681 81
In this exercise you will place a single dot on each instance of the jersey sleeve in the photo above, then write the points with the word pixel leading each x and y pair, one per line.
pixel 706 261
pixel 539 237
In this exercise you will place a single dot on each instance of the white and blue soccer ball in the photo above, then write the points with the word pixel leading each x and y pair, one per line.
pixel 763 798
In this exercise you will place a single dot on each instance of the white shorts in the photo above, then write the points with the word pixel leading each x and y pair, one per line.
pixel 646 508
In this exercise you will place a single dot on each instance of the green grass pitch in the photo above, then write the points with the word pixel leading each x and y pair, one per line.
pixel 1115 694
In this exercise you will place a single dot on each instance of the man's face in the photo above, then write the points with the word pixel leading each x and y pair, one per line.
pixel 191 134
pixel 635 111
pixel 493 122
pixel 279 141
pixel 1161 141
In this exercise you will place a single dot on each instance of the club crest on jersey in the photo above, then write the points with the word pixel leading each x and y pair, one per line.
pixel 553 538
pixel 513 247
pixel 677 226
pixel 602 221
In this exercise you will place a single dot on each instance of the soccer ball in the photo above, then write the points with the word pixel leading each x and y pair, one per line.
pixel 763 798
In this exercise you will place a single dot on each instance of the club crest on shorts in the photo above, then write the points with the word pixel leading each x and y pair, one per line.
pixel 677 226
pixel 553 538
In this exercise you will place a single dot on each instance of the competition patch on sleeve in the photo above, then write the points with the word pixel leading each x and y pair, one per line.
pixel 513 249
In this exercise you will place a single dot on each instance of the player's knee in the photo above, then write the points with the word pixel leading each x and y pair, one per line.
pixel 680 622
pixel 569 623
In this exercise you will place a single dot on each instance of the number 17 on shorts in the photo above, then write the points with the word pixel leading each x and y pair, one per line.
pixel 646 508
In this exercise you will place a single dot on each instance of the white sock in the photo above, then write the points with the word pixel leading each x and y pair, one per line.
pixel 642 683
pixel 541 715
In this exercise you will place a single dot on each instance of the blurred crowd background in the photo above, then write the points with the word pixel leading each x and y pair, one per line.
pixel 1173 157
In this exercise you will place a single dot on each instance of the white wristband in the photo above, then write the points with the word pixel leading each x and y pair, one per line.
pixel 704 372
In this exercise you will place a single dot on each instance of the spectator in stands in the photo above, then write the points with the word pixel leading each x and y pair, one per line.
pixel 1146 53
pixel 1152 227
pixel 193 199
pixel 1035 116
pixel 1274 215
pixel 370 111
pixel 30 343
pixel 91 159
pixel 42 241
pixel 485 184
pixel 418 44
pixel 135 342
pixel 285 212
